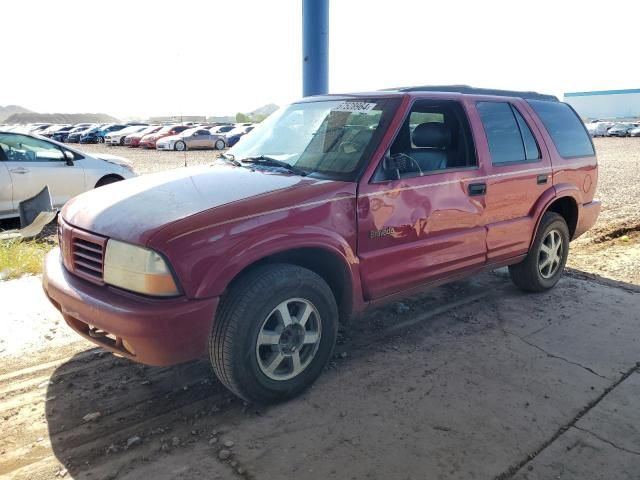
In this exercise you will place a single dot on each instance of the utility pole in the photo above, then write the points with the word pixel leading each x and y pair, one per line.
pixel 315 47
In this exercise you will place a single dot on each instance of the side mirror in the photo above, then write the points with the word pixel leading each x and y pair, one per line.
pixel 68 156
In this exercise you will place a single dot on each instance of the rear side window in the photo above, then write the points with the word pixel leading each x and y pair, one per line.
pixel 509 137
pixel 566 129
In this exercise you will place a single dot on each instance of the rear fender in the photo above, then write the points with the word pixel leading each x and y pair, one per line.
pixel 548 197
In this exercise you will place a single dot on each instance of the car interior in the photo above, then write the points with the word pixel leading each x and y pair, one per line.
pixel 435 137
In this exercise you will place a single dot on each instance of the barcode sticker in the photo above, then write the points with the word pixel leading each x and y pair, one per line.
pixel 354 107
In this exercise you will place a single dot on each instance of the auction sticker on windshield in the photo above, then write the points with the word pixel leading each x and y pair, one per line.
pixel 354 107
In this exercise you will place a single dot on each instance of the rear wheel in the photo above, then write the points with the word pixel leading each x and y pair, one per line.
pixel 545 262
pixel 219 144
pixel 100 139
pixel 122 141
pixel 273 333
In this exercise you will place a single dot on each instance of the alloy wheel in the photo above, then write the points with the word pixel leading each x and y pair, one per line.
pixel 550 256
pixel 288 339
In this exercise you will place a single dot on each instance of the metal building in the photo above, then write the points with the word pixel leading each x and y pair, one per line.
pixel 606 104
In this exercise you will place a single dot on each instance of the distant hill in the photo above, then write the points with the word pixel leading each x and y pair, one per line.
pixel 10 110
pixel 31 117
pixel 264 111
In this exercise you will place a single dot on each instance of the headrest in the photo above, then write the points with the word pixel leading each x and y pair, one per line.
pixel 431 135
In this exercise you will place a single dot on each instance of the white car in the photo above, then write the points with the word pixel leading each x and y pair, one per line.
pixel 599 129
pixel 117 137
pixel 29 162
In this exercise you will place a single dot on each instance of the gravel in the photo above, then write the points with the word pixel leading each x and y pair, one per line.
pixel 618 185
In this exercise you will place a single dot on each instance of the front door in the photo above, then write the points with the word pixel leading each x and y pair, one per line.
pixel 34 163
pixel 420 216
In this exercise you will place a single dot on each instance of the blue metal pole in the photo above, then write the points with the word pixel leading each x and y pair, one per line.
pixel 315 47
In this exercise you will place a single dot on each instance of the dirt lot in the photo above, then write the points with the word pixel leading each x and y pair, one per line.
pixel 473 380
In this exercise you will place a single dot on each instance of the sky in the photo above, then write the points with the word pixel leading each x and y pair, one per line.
pixel 216 57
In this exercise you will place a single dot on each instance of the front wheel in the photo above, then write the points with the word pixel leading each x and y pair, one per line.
pixel 274 333
pixel 543 266
pixel 180 146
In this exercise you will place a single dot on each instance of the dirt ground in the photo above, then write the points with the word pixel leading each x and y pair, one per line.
pixel 473 380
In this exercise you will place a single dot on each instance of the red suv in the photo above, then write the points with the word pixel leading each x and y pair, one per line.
pixel 331 205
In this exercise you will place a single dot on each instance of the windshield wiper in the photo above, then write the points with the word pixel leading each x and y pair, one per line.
pixel 273 162
pixel 229 158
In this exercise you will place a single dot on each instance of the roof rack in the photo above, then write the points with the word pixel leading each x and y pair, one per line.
pixel 466 89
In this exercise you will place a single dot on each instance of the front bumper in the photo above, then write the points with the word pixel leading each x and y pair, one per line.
pixel 112 140
pixel 164 146
pixel 146 330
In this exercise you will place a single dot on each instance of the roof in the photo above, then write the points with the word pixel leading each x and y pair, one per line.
pixel 602 92
pixel 467 90
pixel 435 89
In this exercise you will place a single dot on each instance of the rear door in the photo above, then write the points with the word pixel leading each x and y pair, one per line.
pixel 35 163
pixel 426 225
pixel 518 171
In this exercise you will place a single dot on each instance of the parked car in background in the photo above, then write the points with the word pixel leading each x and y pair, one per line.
pixel 75 133
pixel 98 135
pixel 48 132
pixel 233 136
pixel 192 139
pixel 149 141
pixel 621 129
pixel 62 134
pixel 252 263
pixel 37 127
pixel 117 137
pixel 634 132
pixel 29 162
pixel 599 129
pixel 221 128
pixel 133 139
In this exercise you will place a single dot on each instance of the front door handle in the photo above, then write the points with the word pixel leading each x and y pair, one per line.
pixel 477 189
pixel 542 179
pixel 19 170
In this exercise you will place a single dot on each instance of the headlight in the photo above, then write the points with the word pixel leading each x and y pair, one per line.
pixel 138 269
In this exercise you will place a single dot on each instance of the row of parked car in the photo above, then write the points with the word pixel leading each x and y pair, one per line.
pixel 179 136
pixel 613 129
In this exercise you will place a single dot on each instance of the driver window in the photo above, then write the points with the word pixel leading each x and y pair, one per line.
pixel 434 138
pixel 21 148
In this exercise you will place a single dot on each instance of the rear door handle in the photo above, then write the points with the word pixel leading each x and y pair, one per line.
pixel 542 179
pixel 477 189
pixel 19 170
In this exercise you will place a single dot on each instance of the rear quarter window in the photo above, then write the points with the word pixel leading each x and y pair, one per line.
pixel 565 128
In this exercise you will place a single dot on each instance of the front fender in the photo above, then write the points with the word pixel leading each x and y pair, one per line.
pixel 250 250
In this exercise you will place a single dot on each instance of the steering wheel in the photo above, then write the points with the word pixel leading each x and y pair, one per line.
pixel 402 166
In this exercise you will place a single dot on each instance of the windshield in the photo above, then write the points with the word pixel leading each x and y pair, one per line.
pixel 331 138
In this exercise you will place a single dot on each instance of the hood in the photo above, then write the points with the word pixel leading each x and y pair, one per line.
pixel 133 210
pixel 115 159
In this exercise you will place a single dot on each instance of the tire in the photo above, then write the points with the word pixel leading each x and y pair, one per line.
pixel 540 270
pixel 182 147
pixel 241 359
pixel 100 139
pixel 122 141
pixel 219 145
pixel 107 180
